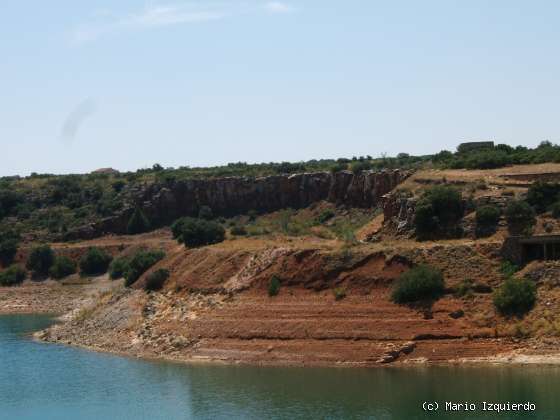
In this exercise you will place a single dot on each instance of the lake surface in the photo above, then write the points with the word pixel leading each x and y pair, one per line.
pixel 46 381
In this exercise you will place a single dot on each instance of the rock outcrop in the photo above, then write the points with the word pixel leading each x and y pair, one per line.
pixel 164 203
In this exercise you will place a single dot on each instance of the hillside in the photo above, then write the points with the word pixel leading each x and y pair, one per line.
pixel 306 268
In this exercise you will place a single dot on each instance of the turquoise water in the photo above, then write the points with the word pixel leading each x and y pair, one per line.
pixel 45 381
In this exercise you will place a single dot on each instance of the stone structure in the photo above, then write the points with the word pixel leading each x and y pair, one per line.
pixel 474 145
pixel 523 249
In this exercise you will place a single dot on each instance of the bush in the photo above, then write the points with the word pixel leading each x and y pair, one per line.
pixel 15 274
pixel 487 218
pixel 94 262
pixel 140 263
pixel 274 286
pixel 438 213
pixel 359 166
pixel 419 283
pixel 8 250
pixel 40 259
pixel 542 195
pixel 199 232
pixel 205 213
pixel 508 269
pixel 138 223
pixel 238 230
pixel 520 217
pixel 63 266
pixel 156 280
pixel 515 296
pixel 339 167
pixel 118 267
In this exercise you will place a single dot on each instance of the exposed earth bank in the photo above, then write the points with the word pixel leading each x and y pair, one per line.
pixel 215 307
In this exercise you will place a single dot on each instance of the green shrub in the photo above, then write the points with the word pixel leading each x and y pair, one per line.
pixel 487 218
pixel 339 167
pixel 542 195
pixel 520 217
pixel 419 283
pixel 487 159
pixel 8 250
pixel 508 269
pixel 515 296
pixel 325 216
pixel 63 266
pixel 140 263
pixel 40 259
pixel 205 213
pixel 199 232
pixel 238 230
pixel 15 274
pixel 118 267
pixel 138 223
pixel 438 213
pixel 359 166
pixel 156 280
pixel 94 262
pixel 339 293
pixel 274 285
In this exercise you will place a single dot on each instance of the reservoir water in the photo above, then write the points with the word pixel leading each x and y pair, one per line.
pixel 46 381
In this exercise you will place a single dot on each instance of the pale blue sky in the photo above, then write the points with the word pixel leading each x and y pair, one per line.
pixel 125 84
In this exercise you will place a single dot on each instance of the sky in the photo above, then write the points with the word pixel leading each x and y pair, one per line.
pixel 94 84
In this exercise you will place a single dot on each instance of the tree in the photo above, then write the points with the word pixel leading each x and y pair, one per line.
pixel 94 262
pixel 541 195
pixel 520 217
pixel 515 296
pixel 138 222
pixel 40 259
pixel 141 262
pixel 8 250
pixel 199 232
pixel 12 276
pixel 438 213
pixel 487 218
pixel 63 266
pixel 419 283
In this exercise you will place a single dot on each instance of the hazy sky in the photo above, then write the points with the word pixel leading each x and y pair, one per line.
pixel 90 84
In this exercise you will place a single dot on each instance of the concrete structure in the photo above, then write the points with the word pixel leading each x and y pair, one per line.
pixel 523 249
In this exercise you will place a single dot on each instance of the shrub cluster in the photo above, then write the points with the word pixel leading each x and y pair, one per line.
pixel 118 267
pixel 8 250
pixel 140 263
pixel 40 260
pixel 156 280
pixel 197 232
pixel 487 218
pixel 520 217
pixel 498 156
pixel 542 195
pixel 419 283
pixel 515 296
pixel 438 213
pixel 274 286
pixel 94 262
pixel 63 266
pixel 13 275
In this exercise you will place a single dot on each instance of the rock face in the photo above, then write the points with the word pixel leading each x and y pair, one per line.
pixel 164 203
